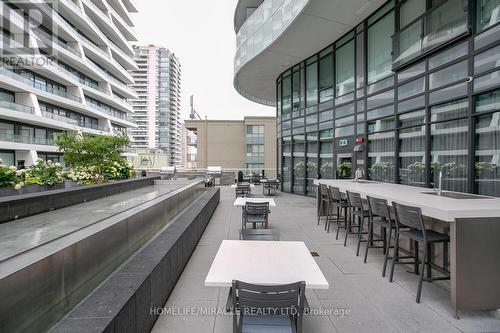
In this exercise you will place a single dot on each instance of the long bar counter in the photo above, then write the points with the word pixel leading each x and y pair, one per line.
pixel 474 235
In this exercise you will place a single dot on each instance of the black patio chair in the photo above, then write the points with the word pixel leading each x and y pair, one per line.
pixel 243 190
pixel 340 205
pixel 260 234
pixel 256 212
pixel 259 308
pixel 357 214
pixel 411 217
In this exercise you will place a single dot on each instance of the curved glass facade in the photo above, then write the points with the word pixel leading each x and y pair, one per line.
pixel 411 91
pixel 263 27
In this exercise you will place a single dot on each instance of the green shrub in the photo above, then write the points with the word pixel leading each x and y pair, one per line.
pixel 10 176
pixel 44 173
pixel 95 159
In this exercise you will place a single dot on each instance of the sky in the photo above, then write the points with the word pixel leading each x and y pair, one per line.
pixel 201 34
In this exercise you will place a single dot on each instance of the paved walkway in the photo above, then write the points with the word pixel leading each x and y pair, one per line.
pixel 27 233
pixel 374 304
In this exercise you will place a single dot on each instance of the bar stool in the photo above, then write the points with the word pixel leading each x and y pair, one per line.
pixel 323 200
pixel 379 214
pixel 412 217
pixel 357 211
pixel 339 204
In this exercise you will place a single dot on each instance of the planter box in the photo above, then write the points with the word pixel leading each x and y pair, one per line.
pixel 29 189
pixel 59 196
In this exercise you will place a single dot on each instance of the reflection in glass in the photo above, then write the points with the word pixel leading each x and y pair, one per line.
pixel 449 154
pixel 312 84
pixel 299 167
pixel 344 69
pixel 488 13
pixel 380 48
pixel 326 159
pixel 487 162
pixel 412 168
pixel 381 156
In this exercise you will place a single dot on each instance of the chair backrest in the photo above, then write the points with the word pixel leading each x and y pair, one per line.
pixel 285 299
pixel 323 191
pixel 354 200
pixel 334 193
pixel 257 208
pixel 409 216
pixel 378 208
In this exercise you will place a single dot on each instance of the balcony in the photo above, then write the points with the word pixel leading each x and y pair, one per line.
pixel 17 107
pixel 22 79
pixel 435 28
pixel 25 139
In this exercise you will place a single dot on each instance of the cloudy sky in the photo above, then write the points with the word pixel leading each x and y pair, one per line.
pixel 201 34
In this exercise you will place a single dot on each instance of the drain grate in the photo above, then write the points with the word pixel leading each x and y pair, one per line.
pixel 315 254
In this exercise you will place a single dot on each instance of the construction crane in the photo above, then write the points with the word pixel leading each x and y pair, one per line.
pixel 193 115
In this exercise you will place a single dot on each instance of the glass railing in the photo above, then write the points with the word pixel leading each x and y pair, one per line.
pixel 60 118
pixel 112 113
pixel 46 38
pixel 57 92
pixel 39 86
pixel 436 27
pixel 24 139
pixel 263 27
pixel 17 107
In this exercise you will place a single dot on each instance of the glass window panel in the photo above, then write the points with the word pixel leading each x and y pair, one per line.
pixel 382 112
pixel 312 84
pixel 6 96
pixel 344 131
pixel 326 106
pixel 360 60
pixel 344 99
pixel 491 80
pixel 326 72
pixel 381 125
pixel 380 99
pixel 412 169
pixel 410 10
pixel 411 88
pixel 360 128
pixel 380 48
pixel 298 122
pixel 445 22
pixel 381 156
pixel 449 151
pixel 487 158
pixel 360 106
pixel 489 101
pixel 411 72
pixel 326 95
pixel 487 60
pixel 380 85
pixel 344 69
pixel 326 159
pixel 488 13
pixel 344 121
pixel 345 110
pixel 412 118
pixel 312 119
pixel 449 55
pixel 452 92
pixel 287 94
pixel 296 90
pixel 326 115
pixel 450 110
pixel 408 43
pixel 7 158
pixel 448 75
pixel 487 37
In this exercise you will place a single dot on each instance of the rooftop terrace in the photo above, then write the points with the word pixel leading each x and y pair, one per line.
pixel 371 303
